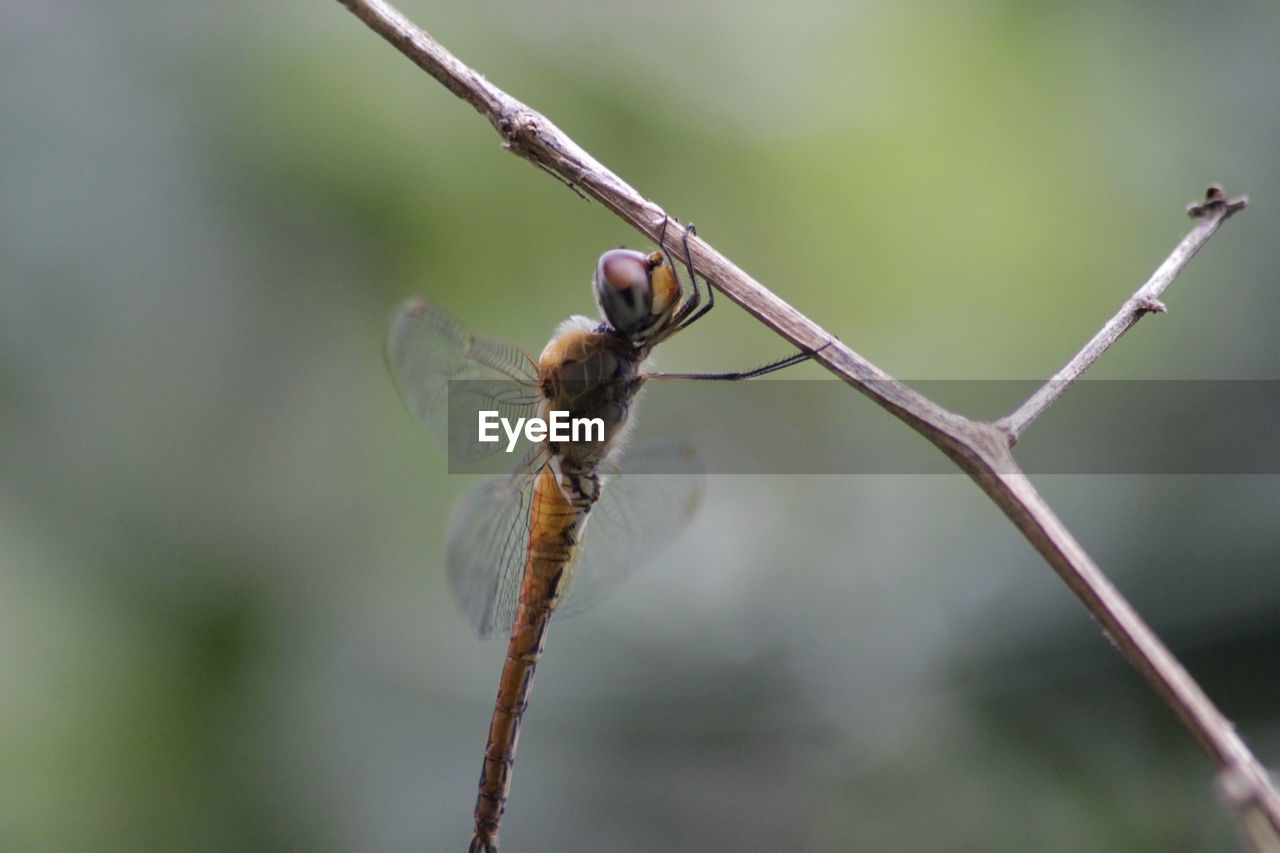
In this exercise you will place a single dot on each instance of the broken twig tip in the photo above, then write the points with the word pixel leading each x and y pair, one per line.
pixel 1215 198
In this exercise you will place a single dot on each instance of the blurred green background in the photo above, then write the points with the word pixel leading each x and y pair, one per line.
pixel 224 620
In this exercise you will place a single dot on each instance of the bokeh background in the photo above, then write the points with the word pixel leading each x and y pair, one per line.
pixel 224 620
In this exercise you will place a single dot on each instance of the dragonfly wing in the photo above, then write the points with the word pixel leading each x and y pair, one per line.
pixel 641 510
pixel 446 374
pixel 488 544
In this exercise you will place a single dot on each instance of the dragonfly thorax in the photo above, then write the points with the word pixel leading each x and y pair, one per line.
pixel 594 373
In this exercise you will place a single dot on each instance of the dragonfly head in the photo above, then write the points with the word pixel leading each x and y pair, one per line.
pixel 637 293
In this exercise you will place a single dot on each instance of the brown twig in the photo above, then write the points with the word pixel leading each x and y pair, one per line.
pixel 981 450
pixel 1213 211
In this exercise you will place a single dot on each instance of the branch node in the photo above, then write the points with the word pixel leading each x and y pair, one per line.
pixel 1149 305
pixel 518 126
pixel 1215 198
pixel 1244 793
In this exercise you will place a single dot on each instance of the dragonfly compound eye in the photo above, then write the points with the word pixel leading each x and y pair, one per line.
pixel 624 290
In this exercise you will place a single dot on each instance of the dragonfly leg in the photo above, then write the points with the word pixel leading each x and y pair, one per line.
pixel 771 367
pixel 692 309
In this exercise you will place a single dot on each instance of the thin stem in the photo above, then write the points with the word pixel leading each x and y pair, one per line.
pixel 981 450
pixel 1215 210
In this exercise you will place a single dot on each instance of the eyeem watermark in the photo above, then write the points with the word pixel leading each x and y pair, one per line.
pixel 803 426
pixel 558 426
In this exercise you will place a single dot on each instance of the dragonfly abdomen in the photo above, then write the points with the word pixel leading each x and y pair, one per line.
pixel 528 639
pixel 555 523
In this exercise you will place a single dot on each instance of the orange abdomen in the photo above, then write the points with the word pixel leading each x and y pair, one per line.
pixel 553 537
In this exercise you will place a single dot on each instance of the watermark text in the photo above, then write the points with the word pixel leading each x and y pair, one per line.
pixel 558 426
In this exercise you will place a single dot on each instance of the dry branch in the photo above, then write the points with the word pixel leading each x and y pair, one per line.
pixel 982 450
pixel 1213 211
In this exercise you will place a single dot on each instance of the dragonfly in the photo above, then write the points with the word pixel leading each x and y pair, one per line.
pixel 517 550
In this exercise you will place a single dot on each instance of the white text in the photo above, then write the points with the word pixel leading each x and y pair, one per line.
pixel 557 427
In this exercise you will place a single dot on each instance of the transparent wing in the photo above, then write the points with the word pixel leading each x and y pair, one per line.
pixel 642 509
pixel 640 512
pixel 488 543
pixel 446 374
